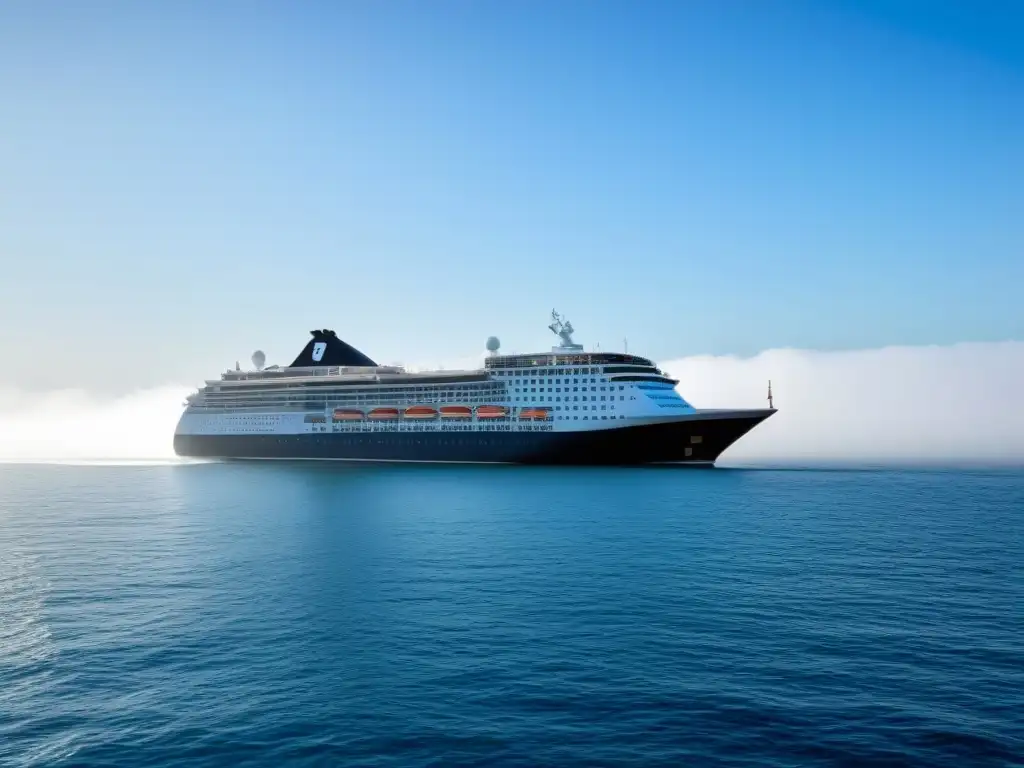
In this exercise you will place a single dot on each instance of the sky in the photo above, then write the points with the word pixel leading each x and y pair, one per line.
pixel 182 183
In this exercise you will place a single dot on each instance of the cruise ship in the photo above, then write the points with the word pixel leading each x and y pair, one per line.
pixel 564 406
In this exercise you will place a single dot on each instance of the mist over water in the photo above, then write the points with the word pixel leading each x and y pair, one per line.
pixel 960 402
pixel 71 425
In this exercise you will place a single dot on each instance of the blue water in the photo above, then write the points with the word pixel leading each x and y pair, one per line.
pixel 296 615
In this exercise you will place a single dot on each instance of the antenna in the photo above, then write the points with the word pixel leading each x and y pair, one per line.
pixel 563 329
pixel 625 344
pixel 770 403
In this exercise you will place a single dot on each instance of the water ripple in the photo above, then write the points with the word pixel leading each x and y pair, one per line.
pixel 218 614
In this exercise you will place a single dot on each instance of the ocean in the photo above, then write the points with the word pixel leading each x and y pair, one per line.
pixel 279 614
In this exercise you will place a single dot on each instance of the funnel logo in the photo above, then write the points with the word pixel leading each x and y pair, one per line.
pixel 318 351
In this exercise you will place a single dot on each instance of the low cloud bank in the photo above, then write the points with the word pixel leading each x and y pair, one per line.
pixel 964 401
pixel 960 402
pixel 71 425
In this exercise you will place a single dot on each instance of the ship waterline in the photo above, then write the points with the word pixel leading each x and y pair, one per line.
pixel 565 406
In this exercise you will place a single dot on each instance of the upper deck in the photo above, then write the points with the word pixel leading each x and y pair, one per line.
pixel 551 359
pixel 276 373
pixel 341 376
pixel 327 364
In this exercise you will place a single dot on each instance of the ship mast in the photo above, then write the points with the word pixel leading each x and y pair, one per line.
pixel 563 330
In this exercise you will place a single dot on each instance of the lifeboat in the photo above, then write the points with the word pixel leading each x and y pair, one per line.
pixel 456 411
pixel 347 414
pixel 491 412
pixel 383 413
pixel 534 414
pixel 420 412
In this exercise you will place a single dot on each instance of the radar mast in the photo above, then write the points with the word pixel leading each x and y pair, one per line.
pixel 563 329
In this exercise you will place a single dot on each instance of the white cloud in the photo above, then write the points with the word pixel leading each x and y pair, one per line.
pixel 74 425
pixel 956 402
pixel 964 401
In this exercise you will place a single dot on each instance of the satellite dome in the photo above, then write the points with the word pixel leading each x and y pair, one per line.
pixel 493 344
pixel 258 359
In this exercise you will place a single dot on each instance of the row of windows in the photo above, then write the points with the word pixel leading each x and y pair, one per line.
pixel 574 389
pixel 575 398
pixel 570 372
pixel 585 407
pixel 423 429
pixel 327 400
pixel 367 389
pixel 216 391
pixel 391 428
pixel 458 428
pixel 363 426
pixel 433 427
pixel 313 402
pixel 549 372
pixel 559 381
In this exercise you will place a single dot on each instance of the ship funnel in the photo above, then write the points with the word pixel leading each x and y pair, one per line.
pixel 326 349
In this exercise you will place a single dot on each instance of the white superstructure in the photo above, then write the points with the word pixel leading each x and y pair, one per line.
pixel 564 389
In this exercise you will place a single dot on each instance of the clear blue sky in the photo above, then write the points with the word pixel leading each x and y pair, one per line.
pixel 183 182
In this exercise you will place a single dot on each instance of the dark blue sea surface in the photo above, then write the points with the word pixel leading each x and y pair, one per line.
pixel 297 615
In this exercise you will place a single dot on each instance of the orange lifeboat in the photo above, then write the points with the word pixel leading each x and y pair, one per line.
pixel 347 414
pixel 420 412
pixel 491 412
pixel 531 414
pixel 383 413
pixel 456 412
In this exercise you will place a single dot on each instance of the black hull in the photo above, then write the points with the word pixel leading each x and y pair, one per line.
pixel 691 441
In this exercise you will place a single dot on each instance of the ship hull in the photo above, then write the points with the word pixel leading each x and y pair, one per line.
pixel 688 441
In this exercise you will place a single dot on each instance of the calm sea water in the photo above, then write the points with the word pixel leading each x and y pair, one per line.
pixel 296 615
